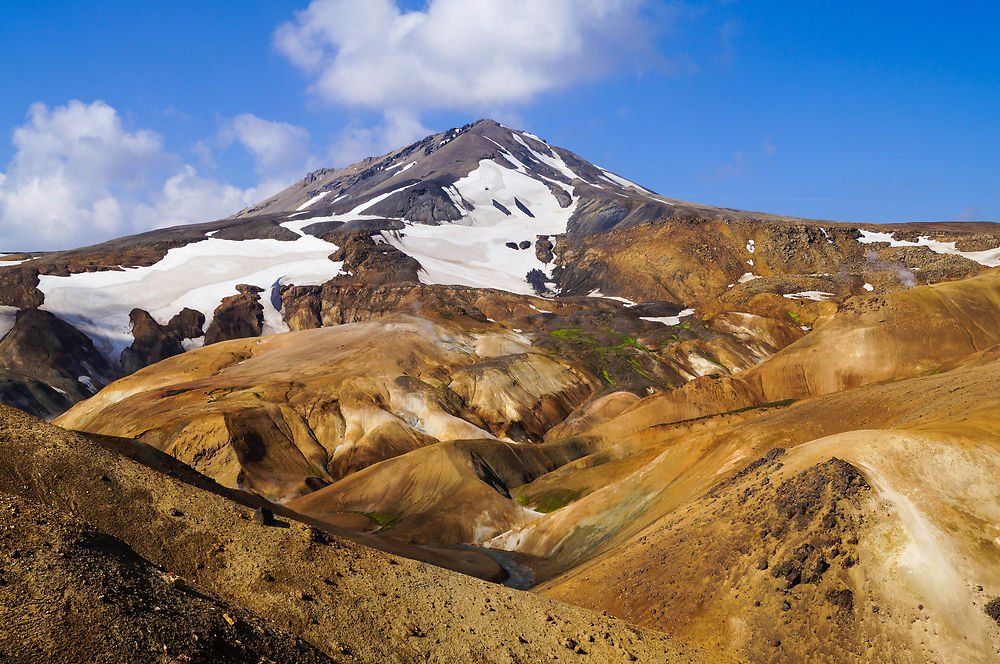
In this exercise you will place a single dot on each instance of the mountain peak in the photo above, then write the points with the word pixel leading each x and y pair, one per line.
pixel 440 161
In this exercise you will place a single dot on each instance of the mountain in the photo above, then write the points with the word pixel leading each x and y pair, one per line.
pixel 482 206
pixel 769 438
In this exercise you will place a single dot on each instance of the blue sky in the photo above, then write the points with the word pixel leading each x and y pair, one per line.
pixel 855 111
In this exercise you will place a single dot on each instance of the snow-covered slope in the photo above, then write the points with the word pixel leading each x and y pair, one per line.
pixel 492 191
pixel 197 276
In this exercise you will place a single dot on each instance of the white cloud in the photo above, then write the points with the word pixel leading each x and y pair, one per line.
pixel 281 150
pixel 187 197
pixel 398 128
pixel 79 176
pixel 472 55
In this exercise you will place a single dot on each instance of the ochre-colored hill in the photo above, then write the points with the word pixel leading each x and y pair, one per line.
pixel 288 414
pixel 869 530
pixel 885 337
pixel 351 603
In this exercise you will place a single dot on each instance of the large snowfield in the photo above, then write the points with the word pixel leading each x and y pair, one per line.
pixel 473 251
pixel 470 252
pixel 198 275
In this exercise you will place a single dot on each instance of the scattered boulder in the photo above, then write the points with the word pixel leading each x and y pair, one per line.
pixel 992 609
pixel 263 516
pixel 543 249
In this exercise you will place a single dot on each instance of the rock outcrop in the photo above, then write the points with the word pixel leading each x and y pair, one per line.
pixel 155 342
pixel 44 348
pixel 239 316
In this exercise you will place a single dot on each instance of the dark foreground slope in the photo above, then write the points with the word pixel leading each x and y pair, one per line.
pixel 71 593
pixel 350 603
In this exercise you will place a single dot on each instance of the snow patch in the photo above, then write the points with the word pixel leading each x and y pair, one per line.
pixel 868 287
pixel 8 315
pixel 473 251
pixel 750 246
pixel 625 300
pixel 747 276
pixel 669 320
pixel 378 199
pixel 988 257
pixel 816 296
pixel 315 199
pixel 622 182
pixel 554 161
pixel 702 366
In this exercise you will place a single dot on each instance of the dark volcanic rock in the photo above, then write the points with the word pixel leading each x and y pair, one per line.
pixel 257 229
pixel 543 249
pixel 375 263
pixel 426 203
pixel 323 229
pixel 152 342
pixel 599 211
pixel 31 395
pixel 331 231
pixel 561 195
pixel 18 287
pixel 155 342
pixel 992 609
pixel 501 207
pixel 842 598
pixel 188 324
pixel 657 308
pixel 523 208
pixel 46 348
pixel 238 316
